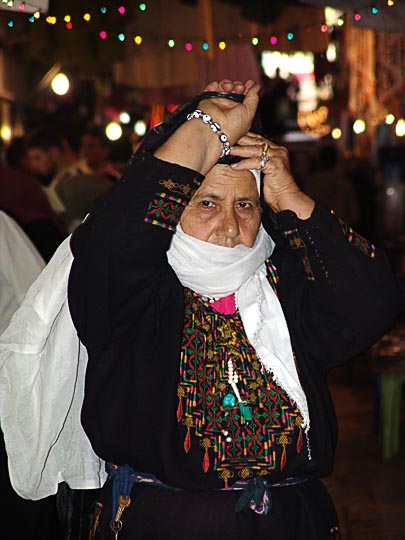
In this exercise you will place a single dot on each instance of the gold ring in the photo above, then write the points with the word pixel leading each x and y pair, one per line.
pixel 265 156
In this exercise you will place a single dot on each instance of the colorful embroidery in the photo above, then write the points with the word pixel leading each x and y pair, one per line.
pixel 272 275
pixel 175 187
pixel 164 211
pixel 238 447
pixel 357 240
pixel 296 242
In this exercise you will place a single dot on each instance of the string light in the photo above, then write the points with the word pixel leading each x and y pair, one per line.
pixel 142 6
pixel 171 43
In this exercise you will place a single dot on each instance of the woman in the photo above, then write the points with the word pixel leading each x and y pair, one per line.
pixel 205 386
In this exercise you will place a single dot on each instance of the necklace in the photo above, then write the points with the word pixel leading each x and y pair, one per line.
pixel 230 399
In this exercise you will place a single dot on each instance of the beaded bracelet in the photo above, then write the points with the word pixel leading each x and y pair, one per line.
pixel 215 128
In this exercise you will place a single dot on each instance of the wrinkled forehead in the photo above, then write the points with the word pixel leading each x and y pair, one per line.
pixel 224 177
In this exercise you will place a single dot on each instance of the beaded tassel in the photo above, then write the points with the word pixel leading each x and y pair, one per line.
pixel 180 395
pixel 298 423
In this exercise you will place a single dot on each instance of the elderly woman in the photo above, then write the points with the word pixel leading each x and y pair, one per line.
pixel 212 299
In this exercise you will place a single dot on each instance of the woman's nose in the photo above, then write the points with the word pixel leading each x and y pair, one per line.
pixel 229 225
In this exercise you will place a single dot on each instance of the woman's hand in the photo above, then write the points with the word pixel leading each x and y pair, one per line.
pixel 234 118
pixel 280 191
pixel 194 144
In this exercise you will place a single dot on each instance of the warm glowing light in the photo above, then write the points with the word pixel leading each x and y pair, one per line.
pixel 125 117
pixel 389 119
pixel 255 41
pixel 171 43
pixel 331 52
pixel 188 46
pixel 87 17
pixel 359 126
pixel 341 21
pixel 37 15
pixel 324 28
pixel 60 84
pixel 222 45
pixel 69 26
pixel 67 18
pixel 113 131
pixel 138 40
pixel 103 34
pixel 5 133
pixel 51 20
pixel 336 133
pixel 390 3
pixel 140 128
pixel 400 128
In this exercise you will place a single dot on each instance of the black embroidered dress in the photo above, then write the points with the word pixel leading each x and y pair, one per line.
pixel 156 377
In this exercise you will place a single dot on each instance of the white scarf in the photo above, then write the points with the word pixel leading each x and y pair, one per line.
pixel 216 271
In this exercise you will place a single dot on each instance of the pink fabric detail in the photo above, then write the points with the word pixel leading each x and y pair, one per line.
pixel 226 305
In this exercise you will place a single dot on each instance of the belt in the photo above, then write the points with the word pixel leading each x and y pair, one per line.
pixel 255 492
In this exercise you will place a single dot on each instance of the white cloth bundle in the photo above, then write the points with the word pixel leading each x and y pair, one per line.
pixel 42 369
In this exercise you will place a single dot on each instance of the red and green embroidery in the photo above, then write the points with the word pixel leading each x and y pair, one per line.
pixel 229 444
pixel 165 211
pixel 357 240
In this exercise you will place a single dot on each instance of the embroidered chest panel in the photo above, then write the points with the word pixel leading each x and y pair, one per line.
pixel 240 436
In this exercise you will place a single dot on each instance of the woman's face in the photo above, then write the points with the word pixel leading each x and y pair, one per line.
pixel 225 210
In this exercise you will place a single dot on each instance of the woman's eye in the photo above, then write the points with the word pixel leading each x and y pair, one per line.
pixel 207 204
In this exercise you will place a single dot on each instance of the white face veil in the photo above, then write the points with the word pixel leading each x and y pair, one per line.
pixel 217 271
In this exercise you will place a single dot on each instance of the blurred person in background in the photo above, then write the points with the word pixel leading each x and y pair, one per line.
pixel 70 186
pixel 331 185
pixel 22 198
pixel 95 150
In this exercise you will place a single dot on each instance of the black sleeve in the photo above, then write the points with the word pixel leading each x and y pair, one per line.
pixel 337 289
pixel 120 249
